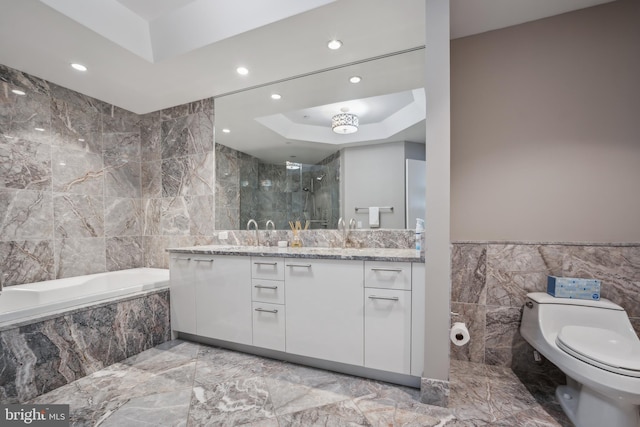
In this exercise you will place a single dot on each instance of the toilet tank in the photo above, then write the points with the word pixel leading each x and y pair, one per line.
pixel 546 315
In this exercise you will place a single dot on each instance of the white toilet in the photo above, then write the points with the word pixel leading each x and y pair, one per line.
pixel 594 344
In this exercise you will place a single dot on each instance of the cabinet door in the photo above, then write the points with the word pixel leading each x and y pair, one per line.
pixel 223 297
pixel 325 310
pixel 183 294
pixel 387 330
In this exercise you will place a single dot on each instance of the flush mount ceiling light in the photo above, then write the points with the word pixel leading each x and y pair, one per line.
pixel 78 67
pixel 344 123
pixel 225 130
pixel 334 44
pixel 243 71
pixel 293 165
pixel 276 96
pixel 355 79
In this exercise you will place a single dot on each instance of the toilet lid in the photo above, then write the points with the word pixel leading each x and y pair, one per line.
pixel 603 348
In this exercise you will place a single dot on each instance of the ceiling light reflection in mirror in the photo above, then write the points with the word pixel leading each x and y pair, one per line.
pixel 389 102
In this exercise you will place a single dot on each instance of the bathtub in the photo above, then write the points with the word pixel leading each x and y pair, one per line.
pixel 35 300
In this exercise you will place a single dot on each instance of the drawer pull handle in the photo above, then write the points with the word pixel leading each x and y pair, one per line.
pixel 266 263
pixel 385 298
pixel 265 287
pixel 266 311
pixel 299 265
pixel 395 270
pixel 203 260
pixel 180 258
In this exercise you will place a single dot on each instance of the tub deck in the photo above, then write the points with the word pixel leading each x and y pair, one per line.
pixel 29 301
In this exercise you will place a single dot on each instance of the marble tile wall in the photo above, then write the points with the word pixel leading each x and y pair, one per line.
pixel 39 357
pixel 490 282
pixel 177 175
pixel 69 183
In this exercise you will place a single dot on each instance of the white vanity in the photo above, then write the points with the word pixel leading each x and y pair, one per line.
pixel 358 311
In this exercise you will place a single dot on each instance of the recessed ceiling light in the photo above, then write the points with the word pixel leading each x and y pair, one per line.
pixel 39 129
pixel 81 139
pixel 225 130
pixel 18 92
pixel 355 79
pixel 243 71
pixel 276 96
pixel 334 44
pixel 78 67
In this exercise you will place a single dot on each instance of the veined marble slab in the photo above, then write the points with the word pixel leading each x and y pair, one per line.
pixel 365 254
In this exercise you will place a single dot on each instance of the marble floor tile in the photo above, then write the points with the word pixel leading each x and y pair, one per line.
pixel 181 383
pixel 289 397
pixel 234 402
pixel 163 409
pixel 341 414
pixel 216 365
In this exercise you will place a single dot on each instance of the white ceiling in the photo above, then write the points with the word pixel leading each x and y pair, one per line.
pixel 145 55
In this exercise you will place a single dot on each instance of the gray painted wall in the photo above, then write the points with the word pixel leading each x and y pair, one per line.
pixel 545 135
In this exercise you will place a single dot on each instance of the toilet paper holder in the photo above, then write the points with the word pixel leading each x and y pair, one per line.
pixel 459 334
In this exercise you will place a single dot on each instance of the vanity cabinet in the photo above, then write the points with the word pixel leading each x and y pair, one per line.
pixel 223 297
pixel 357 316
pixel 324 309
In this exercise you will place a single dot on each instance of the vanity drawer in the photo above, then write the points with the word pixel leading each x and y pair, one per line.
pixel 387 275
pixel 271 291
pixel 269 326
pixel 269 268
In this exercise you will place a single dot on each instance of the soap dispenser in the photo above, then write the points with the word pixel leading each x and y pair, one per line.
pixel 419 233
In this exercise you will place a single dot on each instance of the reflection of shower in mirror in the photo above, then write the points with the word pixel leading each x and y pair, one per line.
pixel 305 193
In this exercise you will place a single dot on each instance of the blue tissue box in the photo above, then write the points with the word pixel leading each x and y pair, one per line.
pixel 571 287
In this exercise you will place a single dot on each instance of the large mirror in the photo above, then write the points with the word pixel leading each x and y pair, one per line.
pixel 279 158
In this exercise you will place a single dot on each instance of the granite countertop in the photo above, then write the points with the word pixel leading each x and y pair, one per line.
pixel 365 254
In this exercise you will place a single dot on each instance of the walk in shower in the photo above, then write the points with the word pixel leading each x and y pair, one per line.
pixel 291 192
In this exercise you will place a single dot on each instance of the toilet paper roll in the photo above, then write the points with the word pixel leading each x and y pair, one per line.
pixel 459 334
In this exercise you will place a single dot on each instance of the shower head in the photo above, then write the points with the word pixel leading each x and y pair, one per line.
pixel 320 177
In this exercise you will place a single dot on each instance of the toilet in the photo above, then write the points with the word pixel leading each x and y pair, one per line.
pixel 594 344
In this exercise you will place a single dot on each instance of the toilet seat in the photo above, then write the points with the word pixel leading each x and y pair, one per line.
pixel 603 348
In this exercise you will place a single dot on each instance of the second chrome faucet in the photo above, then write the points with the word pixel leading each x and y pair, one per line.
pixel 255 224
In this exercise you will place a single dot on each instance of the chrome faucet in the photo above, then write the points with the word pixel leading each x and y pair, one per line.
pixel 270 223
pixel 342 226
pixel 253 221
